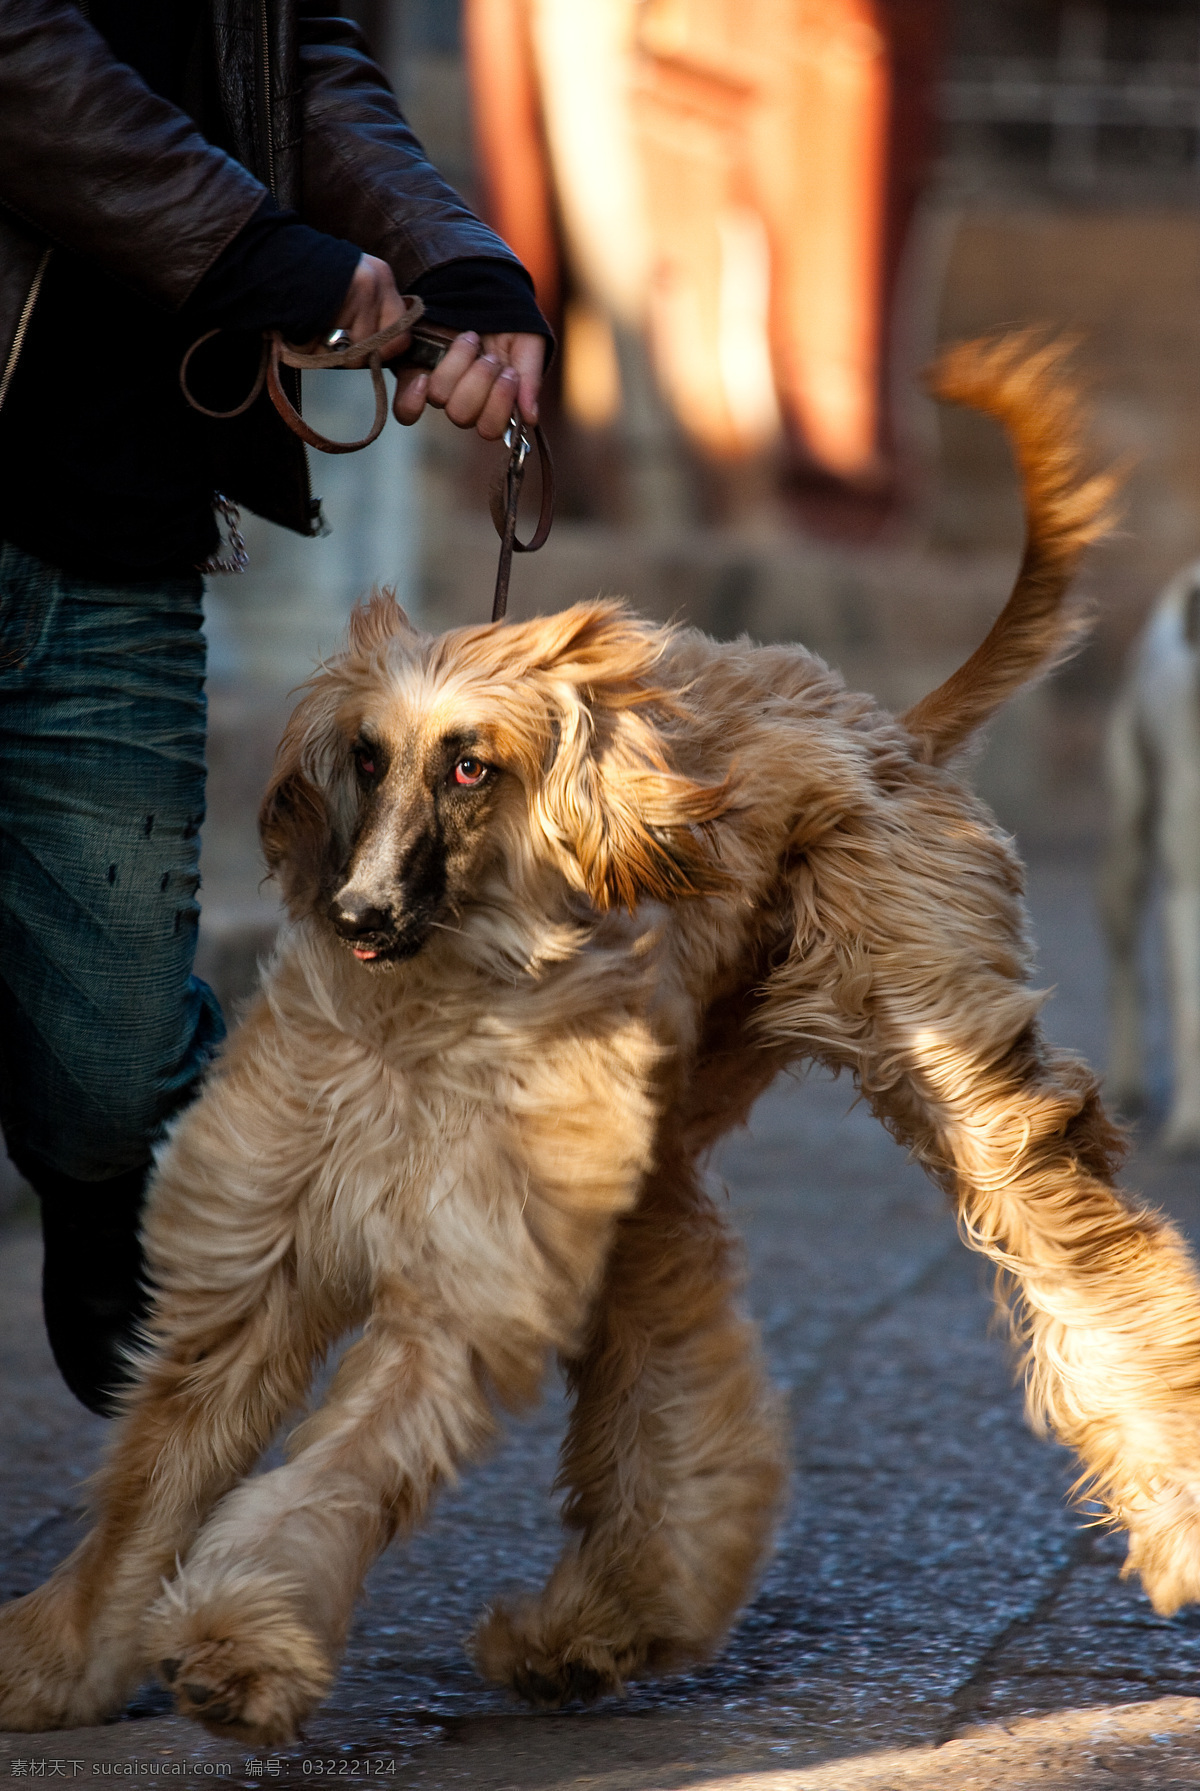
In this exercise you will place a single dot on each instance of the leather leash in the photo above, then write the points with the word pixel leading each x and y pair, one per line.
pixel 428 343
pixel 505 515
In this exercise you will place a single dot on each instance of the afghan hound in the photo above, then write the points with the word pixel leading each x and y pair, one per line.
pixel 566 895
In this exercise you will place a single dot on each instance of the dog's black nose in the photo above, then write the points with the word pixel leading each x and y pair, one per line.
pixel 353 915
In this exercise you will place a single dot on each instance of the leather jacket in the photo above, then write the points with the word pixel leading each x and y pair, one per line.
pixel 92 160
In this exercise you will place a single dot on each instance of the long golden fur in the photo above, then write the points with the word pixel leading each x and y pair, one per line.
pixel 566 896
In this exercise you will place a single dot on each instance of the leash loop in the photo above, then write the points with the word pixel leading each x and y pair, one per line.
pixel 427 346
pixel 276 352
pixel 247 401
pixel 367 353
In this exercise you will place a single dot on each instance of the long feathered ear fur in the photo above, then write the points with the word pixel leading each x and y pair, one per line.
pixel 628 824
pixel 298 819
pixel 293 825
pixel 296 822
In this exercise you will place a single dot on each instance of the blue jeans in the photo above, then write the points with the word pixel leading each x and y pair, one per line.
pixel 104 1031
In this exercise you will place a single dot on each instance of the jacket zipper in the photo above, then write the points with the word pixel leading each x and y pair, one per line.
pixel 266 76
pixel 31 297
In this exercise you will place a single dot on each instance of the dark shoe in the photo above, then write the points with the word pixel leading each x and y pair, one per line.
pixel 93 1280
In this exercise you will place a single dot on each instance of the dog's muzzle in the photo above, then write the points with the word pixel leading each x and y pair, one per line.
pixel 367 929
pixel 372 933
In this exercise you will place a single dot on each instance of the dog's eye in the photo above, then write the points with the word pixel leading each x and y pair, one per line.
pixel 470 773
pixel 364 759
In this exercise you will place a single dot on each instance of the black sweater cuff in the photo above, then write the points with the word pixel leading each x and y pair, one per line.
pixel 277 273
pixel 484 294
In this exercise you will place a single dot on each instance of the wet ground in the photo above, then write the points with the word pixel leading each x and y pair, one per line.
pixel 935 1614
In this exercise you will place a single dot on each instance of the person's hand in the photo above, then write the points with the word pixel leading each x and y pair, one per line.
pixel 478 383
pixel 372 303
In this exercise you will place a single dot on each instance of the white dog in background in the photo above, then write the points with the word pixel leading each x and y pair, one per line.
pixel 1153 754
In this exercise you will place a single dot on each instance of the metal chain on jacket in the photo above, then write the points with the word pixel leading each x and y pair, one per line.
pixel 238 557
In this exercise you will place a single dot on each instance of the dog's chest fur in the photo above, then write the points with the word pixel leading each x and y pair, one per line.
pixel 477 1137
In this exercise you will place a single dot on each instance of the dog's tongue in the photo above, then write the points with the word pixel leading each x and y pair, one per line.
pixel 364 955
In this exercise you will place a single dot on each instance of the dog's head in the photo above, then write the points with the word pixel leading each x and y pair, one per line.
pixel 416 766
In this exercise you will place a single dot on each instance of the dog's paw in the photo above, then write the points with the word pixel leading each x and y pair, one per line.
pixel 242 1662
pixel 44 1677
pixel 233 1690
pixel 513 1647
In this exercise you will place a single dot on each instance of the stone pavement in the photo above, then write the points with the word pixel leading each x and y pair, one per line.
pixel 935 1616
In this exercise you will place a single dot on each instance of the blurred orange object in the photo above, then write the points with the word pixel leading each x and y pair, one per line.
pixel 826 198
pixel 734 177
pixel 507 115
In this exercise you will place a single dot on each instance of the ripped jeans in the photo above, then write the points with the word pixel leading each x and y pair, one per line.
pixel 104 1030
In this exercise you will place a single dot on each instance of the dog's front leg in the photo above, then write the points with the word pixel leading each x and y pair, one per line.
pixel 476 1275
pixel 254 1624
pixel 71 1652
pixel 233 1351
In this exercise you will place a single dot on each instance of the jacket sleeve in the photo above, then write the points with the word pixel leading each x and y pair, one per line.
pixel 96 162
pixel 366 176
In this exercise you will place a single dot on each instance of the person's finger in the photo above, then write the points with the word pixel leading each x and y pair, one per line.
pixel 465 404
pixel 392 310
pixel 527 353
pixel 396 344
pixel 372 303
pixel 497 412
pixel 360 307
pixel 458 359
pixel 412 391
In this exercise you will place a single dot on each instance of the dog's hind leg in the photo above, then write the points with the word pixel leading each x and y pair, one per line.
pixel 673 1465
pixel 1103 1293
pixel 1124 880
pixel 911 972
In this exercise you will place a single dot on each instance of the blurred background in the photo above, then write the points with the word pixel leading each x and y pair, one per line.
pixel 752 222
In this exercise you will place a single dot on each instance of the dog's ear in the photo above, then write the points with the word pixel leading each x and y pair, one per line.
pixel 294 822
pixel 379 620
pixel 636 829
pixel 631 825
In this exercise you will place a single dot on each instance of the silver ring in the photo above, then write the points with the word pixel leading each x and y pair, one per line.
pixel 338 340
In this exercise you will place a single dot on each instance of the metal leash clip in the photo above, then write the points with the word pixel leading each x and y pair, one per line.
pixel 504 513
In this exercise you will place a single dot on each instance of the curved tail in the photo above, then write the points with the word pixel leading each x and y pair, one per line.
pixel 1019 379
